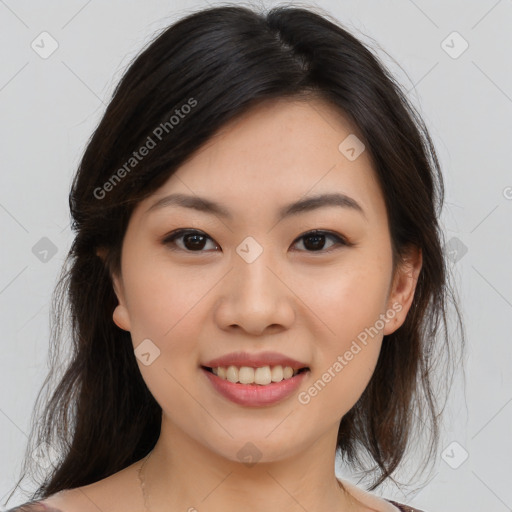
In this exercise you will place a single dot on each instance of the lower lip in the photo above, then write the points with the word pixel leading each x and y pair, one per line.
pixel 255 395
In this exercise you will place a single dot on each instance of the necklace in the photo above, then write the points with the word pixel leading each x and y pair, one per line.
pixel 142 482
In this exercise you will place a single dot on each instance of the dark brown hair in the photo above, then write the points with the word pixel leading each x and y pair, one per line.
pixel 98 413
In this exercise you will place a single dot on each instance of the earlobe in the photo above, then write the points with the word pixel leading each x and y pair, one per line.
pixel 120 316
pixel 403 288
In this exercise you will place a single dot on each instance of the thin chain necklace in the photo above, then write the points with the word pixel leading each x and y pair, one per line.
pixel 142 482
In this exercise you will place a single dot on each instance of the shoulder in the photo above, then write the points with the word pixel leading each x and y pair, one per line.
pixel 63 501
pixel 35 506
pixel 119 492
pixel 67 500
pixel 404 508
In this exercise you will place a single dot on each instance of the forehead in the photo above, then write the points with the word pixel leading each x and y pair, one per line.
pixel 276 153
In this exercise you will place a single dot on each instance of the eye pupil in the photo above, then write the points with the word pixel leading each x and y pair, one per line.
pixel 198 241
pixel 318 241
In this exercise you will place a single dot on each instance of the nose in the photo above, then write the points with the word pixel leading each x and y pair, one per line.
pixel 255 298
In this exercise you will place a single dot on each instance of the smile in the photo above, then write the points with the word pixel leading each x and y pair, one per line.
pixel 251 393
pixel 263 375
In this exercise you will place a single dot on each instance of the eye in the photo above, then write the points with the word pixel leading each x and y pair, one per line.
pixel 314 241
pixel 193 240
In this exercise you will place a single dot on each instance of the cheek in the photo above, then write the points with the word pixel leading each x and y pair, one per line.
pixel 345 358
pixel 349 299
pixel 350 305
pixel 161 298
pixel 163 305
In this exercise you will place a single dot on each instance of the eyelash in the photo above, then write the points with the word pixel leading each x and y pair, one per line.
pixel 179 233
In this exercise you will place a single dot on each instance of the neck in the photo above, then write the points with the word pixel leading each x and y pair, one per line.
pixel 182 474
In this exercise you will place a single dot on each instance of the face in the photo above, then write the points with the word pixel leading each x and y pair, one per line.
pixel 315 284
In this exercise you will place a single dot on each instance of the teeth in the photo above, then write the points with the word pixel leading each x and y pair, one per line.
pixel 248 375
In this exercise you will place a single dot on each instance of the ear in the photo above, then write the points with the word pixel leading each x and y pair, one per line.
pixel 403 287
pixel 120 315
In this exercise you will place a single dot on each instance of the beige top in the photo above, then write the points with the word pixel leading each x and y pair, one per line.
pixel 368 499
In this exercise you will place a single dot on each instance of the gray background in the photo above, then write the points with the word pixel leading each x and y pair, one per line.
pixel 50 106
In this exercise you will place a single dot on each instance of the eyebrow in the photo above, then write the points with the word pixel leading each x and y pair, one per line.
pixel 303 205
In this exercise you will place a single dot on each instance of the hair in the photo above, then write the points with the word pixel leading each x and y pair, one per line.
pixel 100 417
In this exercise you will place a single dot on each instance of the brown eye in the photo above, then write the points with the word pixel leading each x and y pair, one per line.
pixel 190 240
pixel 315 241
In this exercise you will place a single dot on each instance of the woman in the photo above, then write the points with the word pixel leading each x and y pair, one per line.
pixel 256 282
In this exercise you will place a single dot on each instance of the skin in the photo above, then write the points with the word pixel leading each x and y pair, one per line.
pixel 306 304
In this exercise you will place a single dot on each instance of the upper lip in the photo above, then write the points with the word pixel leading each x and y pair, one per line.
pixel 255 360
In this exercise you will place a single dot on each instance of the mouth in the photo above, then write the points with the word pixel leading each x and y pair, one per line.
pixel 261 386
pixel 262 376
